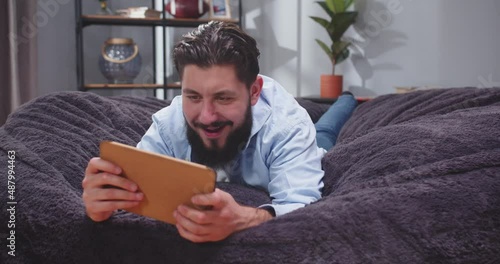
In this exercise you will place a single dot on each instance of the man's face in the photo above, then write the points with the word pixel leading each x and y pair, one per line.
pixel 217 109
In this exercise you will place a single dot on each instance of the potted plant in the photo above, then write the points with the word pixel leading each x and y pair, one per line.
pixel 340 20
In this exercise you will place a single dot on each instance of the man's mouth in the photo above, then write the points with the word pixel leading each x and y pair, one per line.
pixel 213 132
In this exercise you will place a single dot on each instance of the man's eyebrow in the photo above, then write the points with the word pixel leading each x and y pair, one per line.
pixel 219 93
pixel 225 92
pixel 190 91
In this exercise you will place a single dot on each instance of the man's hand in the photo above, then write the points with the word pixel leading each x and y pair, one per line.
pixel 225 217
pixel 104 191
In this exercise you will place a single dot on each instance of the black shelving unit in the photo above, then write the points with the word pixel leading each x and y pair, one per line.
pixel 85 20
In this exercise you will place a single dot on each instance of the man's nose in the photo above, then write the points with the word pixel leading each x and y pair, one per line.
pixel 208 113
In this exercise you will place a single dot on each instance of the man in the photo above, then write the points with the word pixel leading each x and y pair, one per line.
pixel 244 125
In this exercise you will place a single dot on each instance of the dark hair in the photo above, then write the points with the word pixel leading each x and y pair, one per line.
pixel 219 43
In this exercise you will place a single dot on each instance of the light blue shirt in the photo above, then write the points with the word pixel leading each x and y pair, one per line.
pixel 281 156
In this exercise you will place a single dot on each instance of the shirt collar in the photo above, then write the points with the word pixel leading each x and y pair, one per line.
pixel 261 112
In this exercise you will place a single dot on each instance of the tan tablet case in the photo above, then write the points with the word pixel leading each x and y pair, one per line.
pixel 165 181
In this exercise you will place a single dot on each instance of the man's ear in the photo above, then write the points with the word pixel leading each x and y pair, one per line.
pixel 255 90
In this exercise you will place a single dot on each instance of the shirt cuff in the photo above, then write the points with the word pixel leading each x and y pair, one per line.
pixel 270 209
pixel 281 209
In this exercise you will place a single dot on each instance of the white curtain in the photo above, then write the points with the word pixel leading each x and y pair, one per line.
pixel 18 55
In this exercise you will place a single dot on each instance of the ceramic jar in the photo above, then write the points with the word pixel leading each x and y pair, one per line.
pixel 187 8
pixel 120 61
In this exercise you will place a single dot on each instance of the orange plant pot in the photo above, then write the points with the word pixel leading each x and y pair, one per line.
pixel 331 86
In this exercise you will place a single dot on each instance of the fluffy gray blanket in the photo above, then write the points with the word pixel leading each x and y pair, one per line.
pixel 414 178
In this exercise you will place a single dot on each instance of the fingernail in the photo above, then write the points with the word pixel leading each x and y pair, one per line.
pixel 139 196
pixel 133 188
pixel 118 170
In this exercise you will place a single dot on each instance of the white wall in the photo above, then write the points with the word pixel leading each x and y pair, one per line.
pixel 443 43
pixel 275 26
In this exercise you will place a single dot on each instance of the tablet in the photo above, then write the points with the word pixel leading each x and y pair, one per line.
pixel 165 181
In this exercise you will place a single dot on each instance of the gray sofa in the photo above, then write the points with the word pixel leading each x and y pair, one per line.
pixel 414 178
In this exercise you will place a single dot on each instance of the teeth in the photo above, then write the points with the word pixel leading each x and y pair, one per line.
pixel 213 129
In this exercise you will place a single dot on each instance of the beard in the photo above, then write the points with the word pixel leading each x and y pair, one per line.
pixel 214 156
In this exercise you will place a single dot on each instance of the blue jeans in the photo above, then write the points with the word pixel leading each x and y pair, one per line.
pixel 331 122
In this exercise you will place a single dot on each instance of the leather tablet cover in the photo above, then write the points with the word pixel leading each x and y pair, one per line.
pixel 165 181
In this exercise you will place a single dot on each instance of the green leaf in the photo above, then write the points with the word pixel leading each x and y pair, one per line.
pixel 323 22
pixel 331 5
pixel 336 6
pixel 342 56
pixel 348 3
pixel 339 5
pixel 325 7
pixel 336 26
pixel 340 23
pixel 325 48
pixel 339 47
pixel 340 51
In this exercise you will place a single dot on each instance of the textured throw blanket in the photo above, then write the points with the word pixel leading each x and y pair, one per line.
pixel 414 178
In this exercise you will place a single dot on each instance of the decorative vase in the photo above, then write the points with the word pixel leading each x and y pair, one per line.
pixel 104 9
pixel 187 8
pixel 120 61
pixel 331 86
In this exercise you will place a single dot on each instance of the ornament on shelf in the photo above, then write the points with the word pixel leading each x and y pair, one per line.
pixel 187 8
pixel 120 61
pixel 104 9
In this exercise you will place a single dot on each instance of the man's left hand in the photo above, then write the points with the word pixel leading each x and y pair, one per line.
pixel 225 217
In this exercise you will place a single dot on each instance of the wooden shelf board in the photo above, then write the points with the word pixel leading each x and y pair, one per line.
pixel 127 21
pixel 132 86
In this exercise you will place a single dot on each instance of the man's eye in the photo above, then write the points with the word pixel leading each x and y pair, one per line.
pixel 193 97
pixel 224 99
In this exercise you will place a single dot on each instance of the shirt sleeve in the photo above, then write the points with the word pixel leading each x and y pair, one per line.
pixel 153 140
pixel 295 168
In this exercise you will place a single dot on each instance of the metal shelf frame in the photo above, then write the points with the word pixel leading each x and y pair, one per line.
pixel 83 21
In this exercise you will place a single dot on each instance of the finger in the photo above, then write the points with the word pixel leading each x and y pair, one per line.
pixel 215 199
pixel 189 226
pixel 107 179
pixel 116 181
pixel 110 206
pixel 115 195
pixel 189 236
pixel 96 165
pixel 99 217
pixel 196 216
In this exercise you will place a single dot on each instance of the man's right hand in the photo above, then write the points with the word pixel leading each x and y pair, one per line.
pixel 100 200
